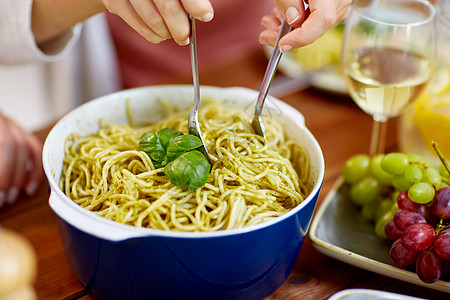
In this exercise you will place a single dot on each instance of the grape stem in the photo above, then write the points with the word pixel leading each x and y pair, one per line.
pixel 440 227
pixel 441 157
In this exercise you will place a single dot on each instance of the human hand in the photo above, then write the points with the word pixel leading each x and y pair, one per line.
pixel 20 161
pixel 308 24
pixel 158 20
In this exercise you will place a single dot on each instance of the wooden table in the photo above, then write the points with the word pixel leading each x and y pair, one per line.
pixel 341 129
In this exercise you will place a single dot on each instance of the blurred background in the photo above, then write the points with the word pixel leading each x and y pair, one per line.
pixel 35 94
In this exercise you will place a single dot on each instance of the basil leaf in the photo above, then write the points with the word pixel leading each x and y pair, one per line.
pixel 191 169
pixel 166 135
pixel 155 145
pixel 181 144
pixel 174 151
pixel 151 144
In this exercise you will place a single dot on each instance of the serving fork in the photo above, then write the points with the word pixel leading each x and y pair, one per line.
pixel 193 124
pixel 257 122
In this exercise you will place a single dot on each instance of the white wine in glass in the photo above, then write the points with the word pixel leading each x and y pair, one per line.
pixel 387 57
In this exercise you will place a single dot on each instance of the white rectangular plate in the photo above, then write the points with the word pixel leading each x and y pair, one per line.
pixel 339 231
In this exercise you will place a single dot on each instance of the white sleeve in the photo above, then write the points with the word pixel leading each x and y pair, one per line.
pixel 17 44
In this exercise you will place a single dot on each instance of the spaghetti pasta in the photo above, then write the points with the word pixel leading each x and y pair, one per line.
pixel 251 181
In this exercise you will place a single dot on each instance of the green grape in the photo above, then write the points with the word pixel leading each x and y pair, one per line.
pixel 381 223
pixel 413 173
pixel 431 176
pixel 415 158
pixel 377 170
pixel 394 207
pixel 400 183
pixel 356 168
pixel 395 163
pixel 368 210
pixel 394 196
pixel 422 167
pixel 382 207
pixel 364 191
pixel 384 218
pixel 421 192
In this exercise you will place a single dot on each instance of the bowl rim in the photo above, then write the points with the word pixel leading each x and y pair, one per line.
pixel 71 212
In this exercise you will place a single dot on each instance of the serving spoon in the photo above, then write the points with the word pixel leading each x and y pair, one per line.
pixel 257 122
pixel 194 126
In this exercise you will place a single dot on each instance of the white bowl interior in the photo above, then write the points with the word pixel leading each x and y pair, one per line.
pixel 145 107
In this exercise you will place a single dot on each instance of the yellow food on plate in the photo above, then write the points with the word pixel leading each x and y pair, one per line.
pixel 432 112
pixel 323 52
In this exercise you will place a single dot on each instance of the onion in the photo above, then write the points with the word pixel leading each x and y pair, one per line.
pixel 18 266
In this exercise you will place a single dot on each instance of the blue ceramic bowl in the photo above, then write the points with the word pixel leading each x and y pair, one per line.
pixel 119 261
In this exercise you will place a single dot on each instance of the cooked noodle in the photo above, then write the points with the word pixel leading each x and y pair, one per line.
pixel 250 181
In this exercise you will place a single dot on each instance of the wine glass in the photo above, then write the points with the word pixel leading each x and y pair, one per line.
pixel 387 58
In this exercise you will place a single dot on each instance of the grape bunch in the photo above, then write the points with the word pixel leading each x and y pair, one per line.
pixel 409 201
pixel 375 183
pixel 421 235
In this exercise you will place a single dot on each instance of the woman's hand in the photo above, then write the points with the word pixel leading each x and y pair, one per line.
pixel 155 20
pixel 308 24
pixel 20 161
pixel 158 20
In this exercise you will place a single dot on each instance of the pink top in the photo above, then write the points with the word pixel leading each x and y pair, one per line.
pixel 234 30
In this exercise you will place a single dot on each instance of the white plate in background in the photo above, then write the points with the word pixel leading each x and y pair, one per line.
pixel 368 294
pixel 322 56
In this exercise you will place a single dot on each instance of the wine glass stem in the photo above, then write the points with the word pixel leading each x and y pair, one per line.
pixel 378 137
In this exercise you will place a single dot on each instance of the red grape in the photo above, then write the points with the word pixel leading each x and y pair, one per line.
pixel 403 201
pixel 441 203
pixel 429 266
pixel 392 232
pixel 404 218
pixel 400 255
pixel 442 245
pixel 418 237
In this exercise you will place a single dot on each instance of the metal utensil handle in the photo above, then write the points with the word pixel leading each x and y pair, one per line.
pixel 193 49
pixel 193 125
pixel 271 67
